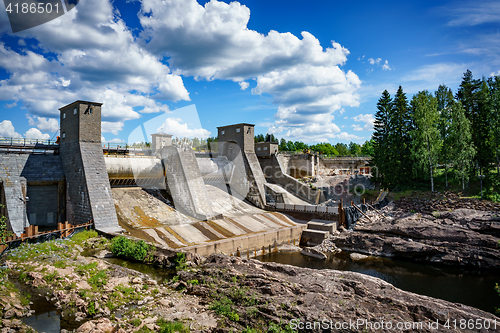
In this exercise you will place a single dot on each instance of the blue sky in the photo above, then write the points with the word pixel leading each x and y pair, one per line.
pixel 309 71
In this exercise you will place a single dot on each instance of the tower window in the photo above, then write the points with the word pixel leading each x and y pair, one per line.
pixel 74 111
pixel 64 115
pixel 223 132
pixel 237 130
pixel 64 135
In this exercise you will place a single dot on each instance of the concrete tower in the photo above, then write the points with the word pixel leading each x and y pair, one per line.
pixel 88 188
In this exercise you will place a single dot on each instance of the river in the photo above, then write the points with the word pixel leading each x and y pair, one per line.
pixel 469 287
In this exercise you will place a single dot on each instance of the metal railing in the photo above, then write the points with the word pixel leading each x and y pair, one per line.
pixel 26 142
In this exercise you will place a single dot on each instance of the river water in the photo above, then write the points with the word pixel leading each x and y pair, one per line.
pixel 469 287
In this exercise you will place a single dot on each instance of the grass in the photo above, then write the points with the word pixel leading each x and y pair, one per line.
pixel 224 307
pixel 172 326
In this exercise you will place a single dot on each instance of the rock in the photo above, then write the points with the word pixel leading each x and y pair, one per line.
pixel 104 254
pixel 105 325
pixel 7 307
pixel 151 282
pixel 136 280
pixel 166 302
pixel 9 314
pixel 340 296
pixel 79 316
pixel 357 256
pixel 86 327
pixel 463 238
pixel 312 252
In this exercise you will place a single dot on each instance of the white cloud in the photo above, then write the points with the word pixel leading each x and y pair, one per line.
pixel 495 74
pixel 214 42
pixel 374 61
pixel 368 119
pixel 96 58
pixel 437 73
pixel 7 130
pixel 386 66
pixel 44 124
pixel 244 85
pixel 34 133
pixel 474 13
pixel 177 128
pixel 111 127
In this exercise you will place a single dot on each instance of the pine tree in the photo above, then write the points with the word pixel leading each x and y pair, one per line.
pixel 426 142
pixel 494 85
pixel 483 129
pixel 380 136
pixel 400 125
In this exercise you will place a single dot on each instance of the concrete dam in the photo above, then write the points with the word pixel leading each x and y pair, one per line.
pixel 166 194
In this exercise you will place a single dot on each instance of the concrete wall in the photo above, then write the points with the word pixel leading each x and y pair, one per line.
pixel 252 243
pixel 89 191
pixel 185 183
pixel 42 205
pixel 275 173
pixel 19 172
pixel 241 134
pixel 266 149
pixel 336 165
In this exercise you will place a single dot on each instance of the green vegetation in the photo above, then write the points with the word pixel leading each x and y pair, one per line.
pixel 455 138
pixel 124 247
pixel 82 236
pixel 180 261
pixel 224 306
pixel 277 328
pixel 172 326
pixel 4 231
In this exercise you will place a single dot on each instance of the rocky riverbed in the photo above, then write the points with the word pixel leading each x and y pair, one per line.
pixel 462 236
pixel 216 294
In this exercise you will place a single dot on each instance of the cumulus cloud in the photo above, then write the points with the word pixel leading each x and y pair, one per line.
pixel 495 74
pixel 386 66
pixel 43 124
pixel 34 133
pixel 95 57
pixel 178 128
pixel 374 61
pixel 111 127
pixel 7 130
pixel 244 85
pixel 368 119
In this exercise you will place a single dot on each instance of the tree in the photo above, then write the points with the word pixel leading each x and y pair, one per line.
pixel 367 148
pixel 400 125
pixel 483 130
pixel 259 138
pixel 444 98
pixel 462 149
pixel 494 85
pixel 354 149
pixel 282 146
pixel 342 149
pixel 380 136
pixel 426 142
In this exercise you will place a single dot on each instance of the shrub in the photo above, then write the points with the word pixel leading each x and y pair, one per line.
pixel 124 247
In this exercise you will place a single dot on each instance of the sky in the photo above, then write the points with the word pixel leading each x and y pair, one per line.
pixel 308 71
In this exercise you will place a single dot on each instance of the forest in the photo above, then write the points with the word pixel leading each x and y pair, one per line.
pixel 457 133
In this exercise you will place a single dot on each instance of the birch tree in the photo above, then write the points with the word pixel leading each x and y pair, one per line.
pixel 425 136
